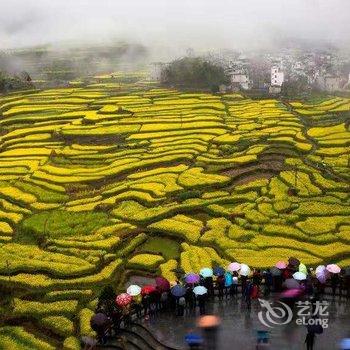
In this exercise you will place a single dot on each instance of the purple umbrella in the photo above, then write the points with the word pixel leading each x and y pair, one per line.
pixel 192 278
pixel 98 320
pixel 291 283
pixel 322 277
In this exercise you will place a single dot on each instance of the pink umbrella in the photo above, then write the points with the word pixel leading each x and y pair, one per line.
pixel 333 268
pixel 162 283
pixel 123 299
pixel 281 265
pixel 291 293
pixel 235 266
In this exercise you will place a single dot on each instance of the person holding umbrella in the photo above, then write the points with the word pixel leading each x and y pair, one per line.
pixel 310 340
pixel 189 297
pixel 220 283
pixel 100 323
pixel 201 293
pixel 334 270
pixel 207 274
pixel 234 286
pixel 228 282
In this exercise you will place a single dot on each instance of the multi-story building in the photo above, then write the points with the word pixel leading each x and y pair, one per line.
pixel 277 76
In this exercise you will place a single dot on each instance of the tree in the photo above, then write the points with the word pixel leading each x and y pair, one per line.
pixel 194 72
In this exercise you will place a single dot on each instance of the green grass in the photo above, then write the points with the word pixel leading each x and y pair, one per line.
pixel 61 223
pixel 164 246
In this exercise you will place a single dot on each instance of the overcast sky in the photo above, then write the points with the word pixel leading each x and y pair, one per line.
pixel 200 24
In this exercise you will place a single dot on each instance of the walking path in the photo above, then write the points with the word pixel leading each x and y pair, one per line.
pixel 239 326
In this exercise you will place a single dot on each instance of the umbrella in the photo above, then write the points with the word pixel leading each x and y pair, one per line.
pixel 291 283
pixel 245 270
pixel 235 266
pixel 302 268
pixel 148 289
pixel 206 272
pixel 192 278
pixel 322 277
pixel 333 268
pixel 281 265
pixel 345 344
pixel 291 293
pixel 134 290
pixel 293 261
pixel 178 291
pixel 98 320
pixel 315 328
pixel 299 276
pixel 162 283
pixel 219 271
pixel 320 268
pixel 275 271
pixel 200 290
pixel 123 299
pixel 193 339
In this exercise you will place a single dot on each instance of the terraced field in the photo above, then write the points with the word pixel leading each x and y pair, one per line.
pixel 112 180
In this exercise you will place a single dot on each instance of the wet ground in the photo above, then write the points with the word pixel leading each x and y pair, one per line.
pixel 239 327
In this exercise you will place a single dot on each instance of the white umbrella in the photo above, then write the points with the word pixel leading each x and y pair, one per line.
pixel 200 290
pixel 134 290
pixel 245 270
pixel 299 276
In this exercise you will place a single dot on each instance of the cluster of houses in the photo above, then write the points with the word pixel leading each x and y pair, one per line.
pixel 320 70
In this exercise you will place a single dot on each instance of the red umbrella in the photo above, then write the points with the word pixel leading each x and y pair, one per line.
pixel 123 299
pixel 148 289
pixel 162 283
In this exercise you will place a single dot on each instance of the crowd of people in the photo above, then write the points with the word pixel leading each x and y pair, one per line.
pixel 191 292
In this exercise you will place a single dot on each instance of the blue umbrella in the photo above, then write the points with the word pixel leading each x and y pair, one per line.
pixel 206 272
pixel 178 291
pixel 219 271
pixel 193 339
pixel 345 344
